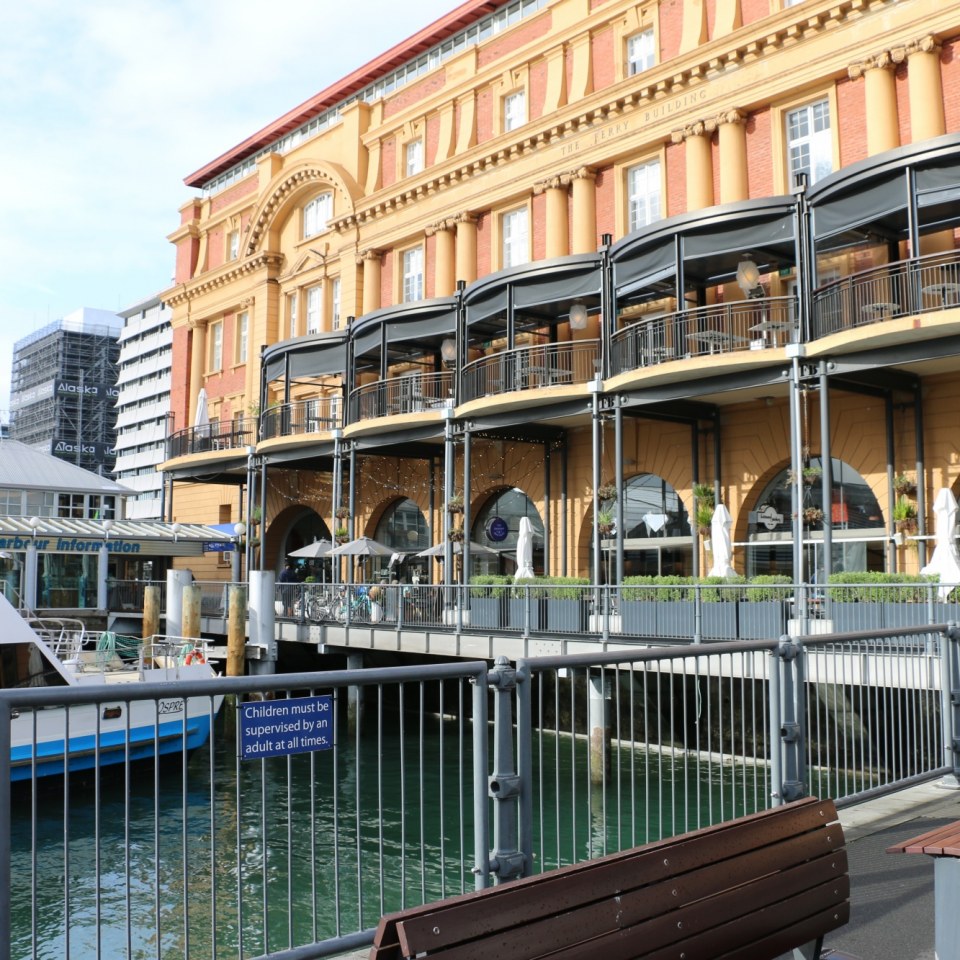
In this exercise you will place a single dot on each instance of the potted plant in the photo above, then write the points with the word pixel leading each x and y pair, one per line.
pixel 455 535
pixel 905 515
pixel 342 512
pixel 764 607
pixel 455 503
pixel 566 602
pixel 903 485
pixel 341 533
pixel 486 599
pixel 704 517
pixel 607 491
pixel 812 516
pixel 605 519
pixel 811 475
pixel 704 493
pixel 256 516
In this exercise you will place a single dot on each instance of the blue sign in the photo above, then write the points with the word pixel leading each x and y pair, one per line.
pixel 224 546
pixel 497 529
pixel 276 728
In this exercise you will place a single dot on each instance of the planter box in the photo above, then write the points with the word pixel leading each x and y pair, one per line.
pixel 718 621
pixel 762 621
pixel 515 613
pixel 639 617
pixel 848 617
pixel 675 618
pixel 485 613
pixel 566 615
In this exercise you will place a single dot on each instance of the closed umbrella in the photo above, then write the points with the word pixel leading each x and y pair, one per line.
pixel 202 416
pixel 945 560
pixel 720 538
pixel 524 550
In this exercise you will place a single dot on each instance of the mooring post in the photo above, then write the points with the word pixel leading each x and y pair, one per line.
pixel 354 695
pixel 598 721
pixel 151 611
pixel 191 611
pixel 236 630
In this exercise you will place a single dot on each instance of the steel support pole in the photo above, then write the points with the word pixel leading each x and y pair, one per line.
pixel 506 859
pixel 826 476
pixel 618 480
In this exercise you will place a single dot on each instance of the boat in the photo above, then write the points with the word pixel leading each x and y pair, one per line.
pixel 56 652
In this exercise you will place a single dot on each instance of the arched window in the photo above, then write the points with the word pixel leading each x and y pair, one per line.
pixel 858 530
pixel 656 535
pixel 404 528
pixel 497 525
pixel 316 214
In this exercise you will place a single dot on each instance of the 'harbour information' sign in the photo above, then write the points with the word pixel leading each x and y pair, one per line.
pixel 275 728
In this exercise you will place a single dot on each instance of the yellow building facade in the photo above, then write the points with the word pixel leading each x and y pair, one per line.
pixel 603 265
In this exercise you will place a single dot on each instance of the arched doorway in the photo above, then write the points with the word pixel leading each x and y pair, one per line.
pixel 497 525
pixel 306 527
pixel 859 534
pixel 657 540
pixel 404 528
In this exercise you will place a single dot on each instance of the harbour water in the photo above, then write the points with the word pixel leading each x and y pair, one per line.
pixel 238 859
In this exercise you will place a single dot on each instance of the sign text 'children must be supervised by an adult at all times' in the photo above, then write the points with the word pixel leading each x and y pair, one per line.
pixel 275 728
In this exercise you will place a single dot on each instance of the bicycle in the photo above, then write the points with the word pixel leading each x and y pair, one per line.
pixel 320 606
pixel 356 607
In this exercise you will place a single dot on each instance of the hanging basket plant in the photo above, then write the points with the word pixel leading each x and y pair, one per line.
pixel 341 533
pixel 705 495
pixel 607 491
pixel 704 517
pixel 455 503
pixel 455 535
pixel 903 485
pixel 905 515
pixel 342 513
pixel 812 516
pixel 605 520
pixel 256 516
pixel 812 475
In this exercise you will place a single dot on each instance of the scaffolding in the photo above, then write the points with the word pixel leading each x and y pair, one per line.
pixel 63 393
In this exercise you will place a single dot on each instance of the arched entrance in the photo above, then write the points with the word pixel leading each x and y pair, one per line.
pixel 497 525
pixel 859 533
pixel 404 528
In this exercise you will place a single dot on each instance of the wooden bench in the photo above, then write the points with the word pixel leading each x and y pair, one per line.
pixel 750 889
pixel 943 844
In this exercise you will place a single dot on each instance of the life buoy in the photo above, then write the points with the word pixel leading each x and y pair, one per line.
pixel 194 656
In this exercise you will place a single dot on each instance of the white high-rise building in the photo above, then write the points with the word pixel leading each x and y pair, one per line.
pixel 143 405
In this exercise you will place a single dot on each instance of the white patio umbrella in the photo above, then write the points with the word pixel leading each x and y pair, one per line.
pixel 362 547
pixel 524 550
pixel 720 538
pixel 946 559
pixel 312 551
pixel 202 416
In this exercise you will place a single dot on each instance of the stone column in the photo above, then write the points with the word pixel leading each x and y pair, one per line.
pixel 925 85
pixel 198 355
pixel 371 280
pixel 880 92
pixel 557 230
pixel 732 140
pixel 444 277
pixel 699 164
pixel 466 254
pixel 584 210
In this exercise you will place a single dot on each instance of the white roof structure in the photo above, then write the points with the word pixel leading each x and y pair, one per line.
pixel 24 468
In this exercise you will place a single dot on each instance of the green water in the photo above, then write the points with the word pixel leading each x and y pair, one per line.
pixel 240 859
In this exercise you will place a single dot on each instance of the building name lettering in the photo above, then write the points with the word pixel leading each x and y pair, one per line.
pixel 63 446
pixel 68 545
pixel 667 108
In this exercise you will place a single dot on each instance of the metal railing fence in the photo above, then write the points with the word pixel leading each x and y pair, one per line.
pixel 704 612
pixel 234 852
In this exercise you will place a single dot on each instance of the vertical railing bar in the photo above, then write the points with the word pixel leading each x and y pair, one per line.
pixel 312 807
pixel 265 843
pixel 97 833
pixel 421 759
pixel 633 756
pixel 481 767
pixel 380 812
pixel 185 842
pixel 214 885
pixel 238 801
pixel 357 806
pixel 290 846
pixel 338 905
pixel 573 766
pixel 442 843
pixel 556 763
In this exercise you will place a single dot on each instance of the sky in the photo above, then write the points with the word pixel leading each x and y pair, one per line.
pixel 107 105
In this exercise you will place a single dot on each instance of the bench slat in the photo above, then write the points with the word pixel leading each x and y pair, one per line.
pixel 633 926
pixel 941 841
pixel 464 918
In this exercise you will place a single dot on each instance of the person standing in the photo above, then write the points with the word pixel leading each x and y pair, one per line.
pixel 288 577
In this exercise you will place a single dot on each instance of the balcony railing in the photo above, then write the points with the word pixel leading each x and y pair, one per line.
pixel 531 368
pixel 407 393
pixel 905 288
pixel 300 417
pixel 723 328
pixel 216 435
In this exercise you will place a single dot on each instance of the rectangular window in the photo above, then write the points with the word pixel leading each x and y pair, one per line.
pixel 643 195
pixel 414 155
pixel 292 314
pixel 516 245
pixel 413 274
pixel 809 142
pixel 316 214
pixel 243 323
pixel 514 110
pixel 216 346
pixel 314 308
pixel 233 245
pixel 640 52
pixel 335 303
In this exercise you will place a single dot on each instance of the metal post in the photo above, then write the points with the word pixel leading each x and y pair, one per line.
pixel 891 453
pixel 618 480
pixel 796 492
pixel 251 480
pixel 950 703
pixel 506 860
pixel 595 386
pixel 447 494
pixel 826 476
pixel 921 477
pixel 774 723
pixel 547 566
pixel 481 808
pixel 335 565
pixel 790 735
pixel 5 827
